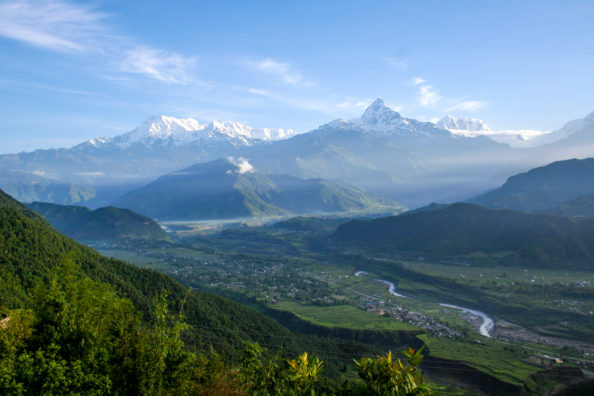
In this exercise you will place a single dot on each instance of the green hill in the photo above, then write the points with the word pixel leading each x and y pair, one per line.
pixel 221 190
pixel 580 207
pixel 32 252
pixel 542 188
pixel 108 223
pixel 469 231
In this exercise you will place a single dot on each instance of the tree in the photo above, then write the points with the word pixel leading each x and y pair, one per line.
pixel 386 377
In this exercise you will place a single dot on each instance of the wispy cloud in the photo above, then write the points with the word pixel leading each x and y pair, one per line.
pixel 158 64
pixel 74 28
pixel 429 97
pixel 347 107
pixel 354 104
pixel 54 25
pixel 295 101
pixel 418 81
pixel 282 70
pixel 468 105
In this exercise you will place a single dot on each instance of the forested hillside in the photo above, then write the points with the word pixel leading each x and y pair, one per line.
pixel 467 231
pixel 73 321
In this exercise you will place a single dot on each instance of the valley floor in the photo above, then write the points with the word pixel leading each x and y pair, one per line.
pixel 542 318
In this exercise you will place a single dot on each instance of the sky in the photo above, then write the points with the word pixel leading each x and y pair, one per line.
pixel 74 70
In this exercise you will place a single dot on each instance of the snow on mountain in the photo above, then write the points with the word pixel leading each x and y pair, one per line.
pixel 577 125
pixel 472 127
pixel 574 127
pixel 181 131
pixel 380 119
pixel 463 123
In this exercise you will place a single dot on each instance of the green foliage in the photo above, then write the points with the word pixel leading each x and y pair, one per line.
pixel 304 373
pixel 79 337
pixel 31 252
pixel 386 377
pixel 277 377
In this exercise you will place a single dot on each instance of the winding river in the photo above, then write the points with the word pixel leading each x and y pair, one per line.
pixel 391 288
pixel 486 326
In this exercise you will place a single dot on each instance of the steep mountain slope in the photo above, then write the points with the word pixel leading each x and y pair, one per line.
pixel 230 188
pixel 382 152
pixel 33 252
pixel 576 134
pixel 544 187
pixel 465 230
pixel 388 155
pixel 108 223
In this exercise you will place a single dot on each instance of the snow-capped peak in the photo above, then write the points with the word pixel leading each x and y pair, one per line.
pixel 576 125
pixel 161 127
pixel 234 128
pixel 463 124
pixel 380 119
pixel 186 130
pixel 472 127
pixel 379 113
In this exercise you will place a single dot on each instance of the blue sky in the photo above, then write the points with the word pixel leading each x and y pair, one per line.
pixel 70 71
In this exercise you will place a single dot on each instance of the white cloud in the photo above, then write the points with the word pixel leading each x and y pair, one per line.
pixel 55 25
pixel 160 65
pixel 418 81
pixel 73 28
pixel 93 174
pixel 428 96
pixel 260 92
pixel 243 166
pixel 280 69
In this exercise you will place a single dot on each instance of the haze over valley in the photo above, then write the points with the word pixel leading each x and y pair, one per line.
pixel 303 198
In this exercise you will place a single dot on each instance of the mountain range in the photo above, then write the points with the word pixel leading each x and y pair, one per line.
pixel 544 187
pixel 231 188
pixel 382 152
pixel 466 232
pixel 159 145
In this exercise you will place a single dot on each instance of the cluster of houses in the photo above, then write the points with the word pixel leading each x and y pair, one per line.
pixel 413 318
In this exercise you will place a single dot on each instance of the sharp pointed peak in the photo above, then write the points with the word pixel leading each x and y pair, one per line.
pixel 379 111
